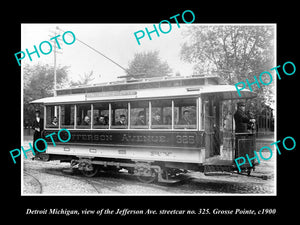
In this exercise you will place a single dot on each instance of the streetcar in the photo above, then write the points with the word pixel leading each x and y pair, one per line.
pixel 156 128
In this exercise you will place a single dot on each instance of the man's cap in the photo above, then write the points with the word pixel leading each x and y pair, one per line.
pixel 37 110
pixel 241 104
pixel 141 113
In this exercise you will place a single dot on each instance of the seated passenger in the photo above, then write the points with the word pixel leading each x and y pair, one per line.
pixel 156 120
pixel 185 120
pixel 141 119
pixel 122 121
pixel 106 120
pixel 54 121
pixel 168 120
pixel 86 121
pixel 100 120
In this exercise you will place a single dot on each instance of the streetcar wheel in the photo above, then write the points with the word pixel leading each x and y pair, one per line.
pixel 248 171
pixel 91 172
pixel 146 179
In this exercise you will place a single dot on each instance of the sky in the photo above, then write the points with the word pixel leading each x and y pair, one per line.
pixel 116 41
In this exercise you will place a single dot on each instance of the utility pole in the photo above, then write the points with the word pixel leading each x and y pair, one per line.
pixel 54 67
pixel 55 33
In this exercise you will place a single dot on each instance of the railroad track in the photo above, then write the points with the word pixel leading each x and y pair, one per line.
pixel 40 186
pixel 98 186
pixel 119 184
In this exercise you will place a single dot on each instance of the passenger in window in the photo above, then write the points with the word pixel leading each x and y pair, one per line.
pixel 168 120
pixel 122 121
pixel 100 120
pixel 185 120
pixel 106 120
pixel 141 119
pixel 156 120
pixel 86 121
pixel 54 121
pixel 78 121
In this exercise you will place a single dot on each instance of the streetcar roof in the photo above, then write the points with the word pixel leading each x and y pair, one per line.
pixel 224 91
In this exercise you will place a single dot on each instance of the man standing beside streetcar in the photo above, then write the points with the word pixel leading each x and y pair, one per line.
pixel 38 127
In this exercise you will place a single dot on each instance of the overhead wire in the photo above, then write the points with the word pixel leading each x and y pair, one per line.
pixel 99 53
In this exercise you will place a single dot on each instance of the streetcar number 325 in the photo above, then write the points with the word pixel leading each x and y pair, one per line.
pixel 185 139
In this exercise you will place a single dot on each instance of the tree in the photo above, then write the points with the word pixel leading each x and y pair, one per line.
pixel 39 83
pixel 85 79
pixel 147 64
pixel 235 53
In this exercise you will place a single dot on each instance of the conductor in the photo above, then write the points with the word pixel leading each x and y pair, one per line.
pixel 38 126
pixel 241 119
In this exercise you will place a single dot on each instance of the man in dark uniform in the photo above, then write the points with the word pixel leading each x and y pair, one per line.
pixel 38 127
pixel 242 120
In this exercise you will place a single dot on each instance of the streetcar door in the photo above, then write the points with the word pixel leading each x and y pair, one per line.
pixel 211 126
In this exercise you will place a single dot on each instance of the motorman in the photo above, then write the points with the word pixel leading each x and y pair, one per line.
pixel 242 120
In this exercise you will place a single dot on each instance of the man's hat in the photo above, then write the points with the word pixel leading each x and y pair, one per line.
pixel 141 113
pixel 241 104
pixel 37 111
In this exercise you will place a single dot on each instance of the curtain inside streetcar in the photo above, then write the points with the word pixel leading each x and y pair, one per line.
pixel 67 116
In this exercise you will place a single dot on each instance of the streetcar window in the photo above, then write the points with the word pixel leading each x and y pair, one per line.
pixel 161 114
pixel 227 121
pixel 185 114
pixel 83 114
pixel 52 116
pixel 67 116
pixel 119 115
pixel 101 116
pixel 139 115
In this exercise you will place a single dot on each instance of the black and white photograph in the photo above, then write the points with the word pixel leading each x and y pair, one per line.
pixel 149 113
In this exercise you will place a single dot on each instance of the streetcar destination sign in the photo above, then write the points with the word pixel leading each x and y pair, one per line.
pixel 137 138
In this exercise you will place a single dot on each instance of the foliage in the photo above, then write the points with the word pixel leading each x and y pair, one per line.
pixel 147 65
pixel 235 53
pixel 85 79
pixel 39 83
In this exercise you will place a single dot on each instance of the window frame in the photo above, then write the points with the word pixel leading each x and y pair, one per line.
pixel 196 98
pixel 106 127
pixel 199 111
pixel 60 116
pixel 45 117
pixel 164 127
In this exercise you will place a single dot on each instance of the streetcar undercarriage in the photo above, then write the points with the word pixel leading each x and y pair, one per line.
pixel 145 171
